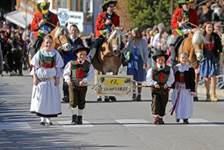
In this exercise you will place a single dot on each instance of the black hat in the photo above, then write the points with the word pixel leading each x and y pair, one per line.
pixel 159 53
pixel 81 47
pixel 107 2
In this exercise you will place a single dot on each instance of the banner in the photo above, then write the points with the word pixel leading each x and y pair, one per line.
pixel 114 85
pixel 71 17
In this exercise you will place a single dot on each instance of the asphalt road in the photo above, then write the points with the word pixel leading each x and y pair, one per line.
pixel 121 125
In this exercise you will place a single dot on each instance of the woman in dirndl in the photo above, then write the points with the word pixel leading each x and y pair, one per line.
pixel 137 63
pixel 47 70
pixel 209 67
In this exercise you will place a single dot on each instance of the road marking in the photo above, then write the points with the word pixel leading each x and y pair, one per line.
pixel 67 124
pixel 135 122
pixel 194 122
pixel 14 125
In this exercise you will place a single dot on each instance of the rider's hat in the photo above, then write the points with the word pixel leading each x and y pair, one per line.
pixel 159 53
pixel 190 1
pixel 107 3
pixel 43 5
pixel 80 48
pixel 182 1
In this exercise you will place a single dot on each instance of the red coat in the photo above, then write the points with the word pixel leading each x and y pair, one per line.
pixel 100 22
pixel 38 17
pixel 178 16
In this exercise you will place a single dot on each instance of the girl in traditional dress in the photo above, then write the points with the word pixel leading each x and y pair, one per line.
pixel 47 64
pixel 184 89
pixel 209 65
pixel 137 64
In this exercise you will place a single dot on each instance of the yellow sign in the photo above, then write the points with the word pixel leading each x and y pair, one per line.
pixel 109 85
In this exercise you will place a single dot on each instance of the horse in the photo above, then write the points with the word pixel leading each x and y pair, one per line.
pixel 60 38
pixel 109 57
pixel 193 46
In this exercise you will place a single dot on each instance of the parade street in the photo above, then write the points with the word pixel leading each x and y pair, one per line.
pixel 121 125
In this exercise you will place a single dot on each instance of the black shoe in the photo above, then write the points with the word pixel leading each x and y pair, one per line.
pixel 65 99
pixel 79 119
pixel 113 98
pixel 99 99
pixel 42 123
pixel 49 123
pixel 195 99
pixel 134 97
pixel 138 98
pixel 161 121
pixel 185 121
pixel 177 120
pixel 74 119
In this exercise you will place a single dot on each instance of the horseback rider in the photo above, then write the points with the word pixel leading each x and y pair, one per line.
pixel 184 18
pixel 44 21
pixel 104 23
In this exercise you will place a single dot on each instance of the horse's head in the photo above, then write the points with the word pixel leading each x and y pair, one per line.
pixel 61 40
pixel 197 42
pixel 115 41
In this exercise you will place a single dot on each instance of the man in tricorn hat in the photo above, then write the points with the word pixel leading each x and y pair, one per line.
pixel 160 77
pixel 44 21
pixel 78 73
pixel 104 23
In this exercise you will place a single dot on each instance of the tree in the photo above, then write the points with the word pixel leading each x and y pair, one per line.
pixel 146 13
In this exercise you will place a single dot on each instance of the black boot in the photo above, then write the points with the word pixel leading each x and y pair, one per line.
pixel 65 99
pixel 185 121
pixel 177 120
pixel 74 119
pixel 138 98
pixel 79 119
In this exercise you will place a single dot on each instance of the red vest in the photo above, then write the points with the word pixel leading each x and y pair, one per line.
pixel 79 71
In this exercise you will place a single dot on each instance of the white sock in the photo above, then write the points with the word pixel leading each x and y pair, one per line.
pixel 48 120
pixel 80 112
pixel 42 119
pixel 74 111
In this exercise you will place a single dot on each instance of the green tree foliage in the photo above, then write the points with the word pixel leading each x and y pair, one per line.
pixel 146 13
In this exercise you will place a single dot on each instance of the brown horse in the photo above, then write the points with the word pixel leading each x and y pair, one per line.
pixel 60 38
pixel 193 46
pixel 109 58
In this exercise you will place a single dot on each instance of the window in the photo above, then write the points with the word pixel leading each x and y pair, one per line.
pixel 62 3
pixel 74 5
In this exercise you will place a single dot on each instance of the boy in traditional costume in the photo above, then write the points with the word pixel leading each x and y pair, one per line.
pixel 160 77
pixel 78 73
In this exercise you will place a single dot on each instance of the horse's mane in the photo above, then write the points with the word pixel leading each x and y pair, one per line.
pixel 58 31
pixel 116 33
pixel 197 38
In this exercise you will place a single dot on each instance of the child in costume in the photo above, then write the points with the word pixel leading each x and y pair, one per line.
pixel 78 73
pixel 47 70
pixel 184 89
pixel 160 77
